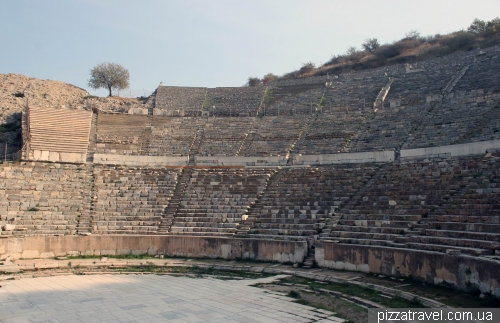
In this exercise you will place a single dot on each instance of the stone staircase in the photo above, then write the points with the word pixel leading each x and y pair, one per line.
pixel 195 146
pixel 92 138
pixel 379 102
pixel 309 260
pixel 330 225
pixel 242 145
pixel 216 199
pixel 251 215
pixel 84 225
pixel 146 136
pixel 300 136
pixel 175 202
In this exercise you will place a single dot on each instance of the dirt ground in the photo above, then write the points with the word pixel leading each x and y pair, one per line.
pixel 353 313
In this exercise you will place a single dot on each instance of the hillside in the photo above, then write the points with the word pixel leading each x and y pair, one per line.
pixel 16 91
pixel 413 48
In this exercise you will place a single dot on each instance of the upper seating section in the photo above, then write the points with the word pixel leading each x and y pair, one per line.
pixel 215 200
pixel 234 101
pixel 59 130
pixel 188 101
pixel 427 78
pixel 131 200
pixel 43 198
pixel 120 134
pixel 292 100
pixel 482 74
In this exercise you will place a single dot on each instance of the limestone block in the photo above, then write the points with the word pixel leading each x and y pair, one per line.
pixel 8 227
pixel 37 154
pixel 47 255
pixel 44 155
pixel 54 156
pixel 27 254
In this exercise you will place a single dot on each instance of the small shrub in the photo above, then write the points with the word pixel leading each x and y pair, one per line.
pixel 8 127
pixel 387 51
pixel 460 41
pixel 19 94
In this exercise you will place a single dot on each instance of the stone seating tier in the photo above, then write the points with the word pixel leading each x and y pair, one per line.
pixel 60 130
pixel 43 198
pixel 130 199
pixel 120 134
pixel 435 202
pixel 214 200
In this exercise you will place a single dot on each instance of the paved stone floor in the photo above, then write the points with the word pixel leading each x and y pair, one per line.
pixel 148 298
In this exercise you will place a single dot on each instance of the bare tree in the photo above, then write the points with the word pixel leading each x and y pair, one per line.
pixel 269 78
pixel 412 34
pixel 351 50
pixel 254 81
pixel 109 76
pixel 371 44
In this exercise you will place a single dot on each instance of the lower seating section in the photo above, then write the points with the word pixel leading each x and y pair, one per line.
pixel 131 200
pixel 120 134
pixel 299 201
pixel 42 198
pixel 436 204
pixel 215 200
pixel 429 205
pixel 273 136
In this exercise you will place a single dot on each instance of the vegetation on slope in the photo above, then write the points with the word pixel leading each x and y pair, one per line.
pixel 412 48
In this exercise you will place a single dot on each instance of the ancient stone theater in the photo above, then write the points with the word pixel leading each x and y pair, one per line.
pixel 393 171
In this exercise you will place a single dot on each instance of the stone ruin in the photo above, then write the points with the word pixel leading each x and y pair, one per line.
pixel 377 171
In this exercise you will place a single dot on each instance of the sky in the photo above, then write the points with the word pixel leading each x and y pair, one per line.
pixel 207 43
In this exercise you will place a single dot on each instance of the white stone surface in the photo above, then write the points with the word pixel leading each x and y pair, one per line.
pixel 473 148
pixel 147 298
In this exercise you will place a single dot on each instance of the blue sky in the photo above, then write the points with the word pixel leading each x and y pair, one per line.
pixel 207 43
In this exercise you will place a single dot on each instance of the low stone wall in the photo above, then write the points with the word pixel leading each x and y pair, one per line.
pixel 57 157
pixel 347 158
pixel 240 161
pixel 129 160
pixel 462 272
pixel 473 148
pixel 185 246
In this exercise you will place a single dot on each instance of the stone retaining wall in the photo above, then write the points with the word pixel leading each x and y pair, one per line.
pixel 185 246
pixel 347 158
pixel 474 148
pixel 462 272
pixel 109 159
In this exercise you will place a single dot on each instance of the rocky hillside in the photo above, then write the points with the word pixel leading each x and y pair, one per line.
pixel 18 90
